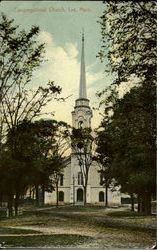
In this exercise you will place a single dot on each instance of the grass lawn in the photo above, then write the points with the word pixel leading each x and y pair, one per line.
pixel 58 240
pixel 79 227
pixel 8 231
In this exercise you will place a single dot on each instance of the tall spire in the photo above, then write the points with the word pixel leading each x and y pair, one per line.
pixel 82 90
pixel 82 114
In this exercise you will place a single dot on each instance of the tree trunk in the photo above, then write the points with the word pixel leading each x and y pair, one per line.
pixel 43 195
pixel 37 195
pixel 57 194
pixel 106 196
pixel 85 188
pixel 10 205
pixel 1 199
pixel 33 194
pixel 30 193
pixel 143 204
pixel 85 195
pixel 132 202
pixel 139 200
pixel 16 204
pixel 147 204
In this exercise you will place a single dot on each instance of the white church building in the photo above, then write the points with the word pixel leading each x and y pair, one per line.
pixel 70 188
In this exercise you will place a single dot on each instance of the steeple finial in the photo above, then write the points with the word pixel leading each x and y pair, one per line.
pixel 82 90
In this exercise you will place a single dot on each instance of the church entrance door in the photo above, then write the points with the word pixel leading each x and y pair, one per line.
pixel 79 195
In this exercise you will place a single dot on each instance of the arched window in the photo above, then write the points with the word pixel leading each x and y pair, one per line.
pixel 61 196
pixel 101 179
pixel 80 124
pixel 61 180
pixel 79 194
pixel 80 178
pixel 101 196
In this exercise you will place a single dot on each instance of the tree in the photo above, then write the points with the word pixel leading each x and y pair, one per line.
pixel 60 165
pixel 62 145
pixel 128 37
pixel 37 147
pixel 11 181
pixel 82 145
pixel 20 56
pixel 137 133
pixel 104 155
pixel 54 142
pixel 128 141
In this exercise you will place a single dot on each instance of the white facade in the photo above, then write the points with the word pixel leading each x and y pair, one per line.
pixel 71 185
pixel 70 190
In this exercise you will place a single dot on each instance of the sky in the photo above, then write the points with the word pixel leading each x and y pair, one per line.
pixel 61 24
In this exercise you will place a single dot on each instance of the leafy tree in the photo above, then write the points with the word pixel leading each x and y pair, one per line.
pixel 82 145
pixel 62 146
pixel 20 56
pixel 12 182
pixel 53 142
pixel 137 130
pixel 59 163
pixel 104 154
pixel 128 142
pixel 35 146
pixel 128 36
pixel 129 40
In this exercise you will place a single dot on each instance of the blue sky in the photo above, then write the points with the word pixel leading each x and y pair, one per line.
pixel 61 24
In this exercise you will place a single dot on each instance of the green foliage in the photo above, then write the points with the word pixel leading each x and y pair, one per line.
pixel 82 139
pixel 21 54
pixel 32 156
pixel 25 157
pixel 37 145
pixel 128 32
pixel 127 136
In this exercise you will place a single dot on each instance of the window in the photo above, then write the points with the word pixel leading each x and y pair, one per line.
pixel 101 179
pixel 61 196
pixel 80 124
pixel 79 194
pixel 80 178
pixel 101 196
pixel 61 180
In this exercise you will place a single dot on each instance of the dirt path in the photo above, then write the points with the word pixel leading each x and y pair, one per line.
pixel 104 230
pixel 102 218
pixel 60 230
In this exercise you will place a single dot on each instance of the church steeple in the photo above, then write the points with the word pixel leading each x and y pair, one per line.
pixel 82 89
pixel 82 114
